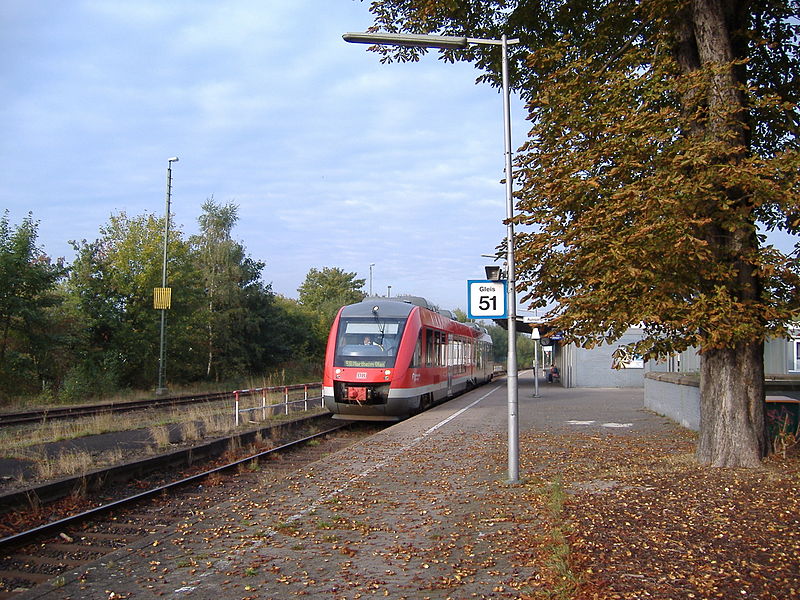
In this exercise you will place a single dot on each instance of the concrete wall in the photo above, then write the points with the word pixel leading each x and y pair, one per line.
pixel 778 359
pixel 778 356
pixel 593 368
pixel 675 396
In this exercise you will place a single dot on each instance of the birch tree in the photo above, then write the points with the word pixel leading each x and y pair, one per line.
pixel 236 302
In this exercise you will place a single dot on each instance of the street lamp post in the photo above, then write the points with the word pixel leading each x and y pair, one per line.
pixel 454 42
pixel 370 278
pixel 162 358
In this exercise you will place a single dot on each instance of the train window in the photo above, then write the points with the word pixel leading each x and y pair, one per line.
pixel 436 349
pixel 367 342
pixel 458 356
pixel 453 354
pixel 416 359
pixel 430 348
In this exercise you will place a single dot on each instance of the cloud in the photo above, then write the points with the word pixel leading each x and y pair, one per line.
pixel 333 158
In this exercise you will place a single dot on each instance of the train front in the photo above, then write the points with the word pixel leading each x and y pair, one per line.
pixel 367 351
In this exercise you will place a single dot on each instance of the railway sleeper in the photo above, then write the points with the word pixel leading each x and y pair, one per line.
pixel 79 550
pixel 38 562
pixel 27 576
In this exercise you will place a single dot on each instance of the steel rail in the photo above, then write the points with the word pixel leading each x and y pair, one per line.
pixel 18 538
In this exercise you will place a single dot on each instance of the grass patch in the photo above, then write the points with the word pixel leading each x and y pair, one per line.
pixel 286 528
pixel 194 422
pixel 160 436
pixel 563 583
pixel 72 462
pixel 191 431
pixel 197 421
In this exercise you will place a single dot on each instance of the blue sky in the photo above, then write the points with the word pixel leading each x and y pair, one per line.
pixel 334 159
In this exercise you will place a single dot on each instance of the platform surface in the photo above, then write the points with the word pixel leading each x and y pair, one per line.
pixel 422 509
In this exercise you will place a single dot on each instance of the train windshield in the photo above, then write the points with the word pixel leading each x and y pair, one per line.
pixel 368 342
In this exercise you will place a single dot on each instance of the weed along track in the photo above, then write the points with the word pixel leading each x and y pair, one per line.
pixel 60 413
pixel 58 448
pixel 46 543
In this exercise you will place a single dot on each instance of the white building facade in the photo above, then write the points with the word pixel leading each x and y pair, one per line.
pixel 580 367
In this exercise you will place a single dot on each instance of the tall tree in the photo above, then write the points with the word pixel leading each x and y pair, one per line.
pixel 324 292
pixel 237 303
pixel 28 280
pixel 113 280
pixel 461 316
pixel 664 134
pixel 331 284
pixel 218 258
pixel 294 334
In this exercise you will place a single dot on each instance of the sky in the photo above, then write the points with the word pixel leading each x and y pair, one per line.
pixel 334 159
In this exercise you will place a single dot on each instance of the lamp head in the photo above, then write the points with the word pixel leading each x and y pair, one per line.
pixel 173 159
pixel 493 272
pixel 405 39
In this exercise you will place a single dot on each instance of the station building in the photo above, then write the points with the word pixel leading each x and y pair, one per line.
pixel 595 367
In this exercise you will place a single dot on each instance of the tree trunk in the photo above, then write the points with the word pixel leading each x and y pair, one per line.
pixel 210 327
pixel 732 427
pixel 210 332
pixel 732 430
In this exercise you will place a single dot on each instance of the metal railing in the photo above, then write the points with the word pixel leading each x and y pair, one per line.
pixel 276 400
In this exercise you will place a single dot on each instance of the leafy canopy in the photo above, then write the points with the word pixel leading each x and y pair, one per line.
pixel 325 291
pixel 654 162
pixel 28 282
pixel 322 288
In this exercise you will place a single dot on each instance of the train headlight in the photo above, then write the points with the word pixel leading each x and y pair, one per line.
pixel 387 373
pixel 338 371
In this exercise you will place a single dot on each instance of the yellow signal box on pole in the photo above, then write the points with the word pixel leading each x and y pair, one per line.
pixel 162 298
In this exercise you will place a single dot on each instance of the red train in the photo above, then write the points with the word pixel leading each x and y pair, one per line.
pixel 387 359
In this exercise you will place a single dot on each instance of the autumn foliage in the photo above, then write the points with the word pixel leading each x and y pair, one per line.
pixel 663 145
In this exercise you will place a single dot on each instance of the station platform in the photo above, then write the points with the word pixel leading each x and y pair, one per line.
pixel 422 509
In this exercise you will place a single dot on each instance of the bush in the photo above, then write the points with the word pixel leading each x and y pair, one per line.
pixel 85 382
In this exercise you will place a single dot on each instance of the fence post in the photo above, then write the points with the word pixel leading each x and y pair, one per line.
pixel 236 408
pixel 263 404
pixel 286 399
pixel 305 397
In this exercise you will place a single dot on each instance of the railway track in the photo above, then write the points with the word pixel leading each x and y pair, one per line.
pixel 88 410
pixel 44 553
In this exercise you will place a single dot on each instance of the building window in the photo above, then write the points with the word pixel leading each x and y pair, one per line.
pixel 623 358
pixel 796 344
